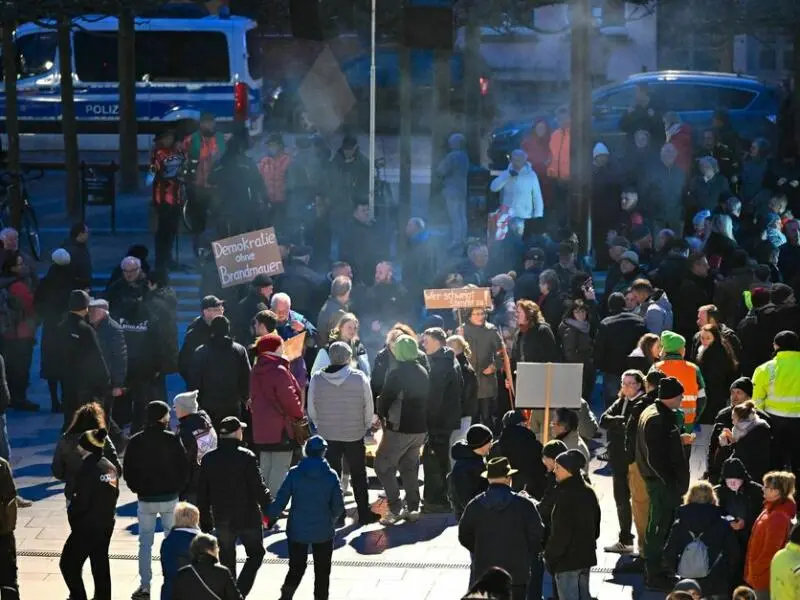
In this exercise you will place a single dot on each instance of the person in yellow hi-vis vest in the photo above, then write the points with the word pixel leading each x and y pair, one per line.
pixel 776 391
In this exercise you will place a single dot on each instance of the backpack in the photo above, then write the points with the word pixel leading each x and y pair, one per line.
pixel 694 562
pixel 11 313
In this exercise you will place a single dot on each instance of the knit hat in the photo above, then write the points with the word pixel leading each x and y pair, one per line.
pixel 571 460
pixel 599 148
pixel 316 446
pixel 745 384
pixel 60 257
pixel 503 281
pixel 497 468
pixel 787 341
pixel 630 256
pixel 93 440
pixel 187 402
pixel 78 300
pixel 513 417
pixel 478 435
pixel 668 388
pixel 535 254
pixel 553 448
pixel 270 343
pixel 688 585
pixel 672 342
pixel 780 293
pixel 405 349
pixel 219 327
pixel 156 411
pixel 340 353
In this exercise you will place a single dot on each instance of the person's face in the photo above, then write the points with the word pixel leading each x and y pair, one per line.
pixel 702 318
pixel 601 160
pixel 708 140
pixel 655 350
pixel 478 317
pixel 495 289
pixel 738 397
pixel 754 150
pixel 580 314
pixel 541 129
pixel 430 345
pixel 348 331
pixel 630 387
pixel 707 171
pixel 411 229
pixel 642 139
pixel 96 315
pixel 281 310
pixel 706 338
pixel 210 313
pixel 668 158
pixel 131 273
pixel 544 289
pixel 517 162
pixel 265 292
pixel 11 241
pixel 563 120
pixel 771 494
pixel 733 483
pixel 629 200
pixel 480 257
pixel 630 301
pixel 557 428
pixel 615 252
pixel 561 473
pixel 549 463
pixel 627 267
pixel 350 153
pixel 207 126
pixel 701 267
pixel 83 236
pixel 522 316
pixel 362 213
pixel 383 272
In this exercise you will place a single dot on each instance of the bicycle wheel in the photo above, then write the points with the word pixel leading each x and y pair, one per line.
pixel 29 227
pixel 186 216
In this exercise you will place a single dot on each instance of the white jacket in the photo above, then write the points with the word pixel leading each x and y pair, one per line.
pixel 521 194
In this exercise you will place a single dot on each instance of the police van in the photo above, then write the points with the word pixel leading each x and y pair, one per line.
pixel 184 67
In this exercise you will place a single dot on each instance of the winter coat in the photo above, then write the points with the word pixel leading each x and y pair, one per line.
pixel 617 336
pixel 757 333
pixel 198 437
pixel 303 285
pixel 705 521
pixel 385 362
pixel 577 343
pixel 155 465
pixel 464 481
pixel 769 534
pixel 82 367
pixel 552 307
pixel 444 398
pixel 706 195
pixel 718 373
pixel 360 359
pixel 114 349
pixel 744 504
pixel 719 249
pixel 486 344
pixel 243 315
pixel 520 193
pixel 656 312
pixel 670 273
pixel 454 171
pixel 574 527
pixel 535 344
pixel 144 339
pixel 340 403
pixel 175 555
pixel 632 424
pixel 469 390
pixel 241 194
pixel 164 303
pixel 789 261
pixel 67 462
pixel 753 449
pixel 205 579
pixel 728 334
pixel 785 573
pixel 328 318
pixel 615 421
pixel 20 297
pixel 420 266
pixel 316 495
pixel 220 371
pixel 403 403
pixel 197 334
pixel 520 446
pixel 92 506
pixel 573 441
pixel 526 287
pixel 693 293
pixel 659 451
pixel 502 529
pixel 80 263
pixel 51 301
pixel 661 193
pixel 276 400
pixel 728 296
pixel 718 454
pixel 230 488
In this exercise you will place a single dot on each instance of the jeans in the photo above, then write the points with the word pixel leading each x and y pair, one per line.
pixel 298 561
pixel 9 588
pixel 457 213
pixel 93 545
pixel 147 513
pixel 436 466
pixel 5 446
pixel 573 585
pixel 254 547
pixel 354 454
pixel 399 452
pixel 274 467
pixel 622 498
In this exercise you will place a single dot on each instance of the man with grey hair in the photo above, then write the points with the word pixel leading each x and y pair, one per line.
pixel 10 240
pixel 290 323
pixel 133 284
pixel 661 191
pixel 337 304
pixel 453 172
pixel 340 405
pixel 520 191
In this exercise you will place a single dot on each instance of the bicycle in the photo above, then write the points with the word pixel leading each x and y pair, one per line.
pixel 29 223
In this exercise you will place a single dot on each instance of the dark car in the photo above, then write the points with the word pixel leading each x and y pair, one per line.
pixel 753 107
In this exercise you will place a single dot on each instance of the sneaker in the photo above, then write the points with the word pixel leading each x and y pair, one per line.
pixel 23 502
pixel 368 518
pixel 603 456
pixel 619 548
pixel 391 518
pixel 142 593
pixel 413 515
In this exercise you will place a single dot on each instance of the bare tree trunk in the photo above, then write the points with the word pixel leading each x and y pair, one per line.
pixel 472 97
pixel 440 111
pixel 12 119
pixel 404 207
pixel 796 90
pixel 69 123
pixel 129 155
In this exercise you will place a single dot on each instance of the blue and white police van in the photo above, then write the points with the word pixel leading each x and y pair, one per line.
pixel 184 67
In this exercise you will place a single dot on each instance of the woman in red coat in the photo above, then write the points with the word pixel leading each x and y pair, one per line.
pixel 275 402
pixel 679 134
pixel 771 529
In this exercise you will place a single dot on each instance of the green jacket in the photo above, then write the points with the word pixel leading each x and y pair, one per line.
pixel 784 573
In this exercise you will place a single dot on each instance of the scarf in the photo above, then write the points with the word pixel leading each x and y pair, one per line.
pixel 582 326
pixel 742 428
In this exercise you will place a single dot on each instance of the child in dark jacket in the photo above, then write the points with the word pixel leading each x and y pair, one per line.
pixel 317 503
pixel 464 481
pixel 175 547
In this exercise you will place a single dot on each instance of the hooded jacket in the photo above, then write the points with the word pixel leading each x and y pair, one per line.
pixel 574 527
pixel 659 452
pixel 220 371
pixel 93 503
pixel 769 534
pixel 67 461
pixel 444 398
pixel 198 438
pixel 317 503
pixel 340 403
pixel 502 529
pixel 197 334
pixel 385 361
pixel 656 312
pixel 464 481
pixel 745 503
pixel 615 421
pixel 617 336
pixel 520 446
pixel 521 193
pixel 275 401
pixel 115 350
pixel 718 454
pixel 403 403
pixel 81 363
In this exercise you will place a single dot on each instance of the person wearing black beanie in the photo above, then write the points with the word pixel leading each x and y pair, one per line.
pixel 91 511
pixel 464 481
pixel 519 444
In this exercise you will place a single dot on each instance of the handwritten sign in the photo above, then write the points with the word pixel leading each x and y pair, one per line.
pixel 458 298
pixel 549 385
pixel 242 257
pixel 293 347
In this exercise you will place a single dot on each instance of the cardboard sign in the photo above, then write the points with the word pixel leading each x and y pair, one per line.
pixel 241 257
pixel 458 298
pixel 557 385
pixel 293 347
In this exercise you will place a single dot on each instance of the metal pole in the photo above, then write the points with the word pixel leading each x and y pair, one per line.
pixel 372 115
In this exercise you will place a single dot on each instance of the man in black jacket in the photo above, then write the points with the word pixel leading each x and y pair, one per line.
pixel 617 336
pixel 84 373
pixel 665 470
pixel 256 300
pixel 571 549
pixel 519 445
pixel 402 408
pixel 220 371
pixel 232 498
pixel 197 436
pixel 91 513
pixel 8 522
pixel 465 482
pixel 198 332
pixel 444 416
pixel 502 528
pixel 526 286
pixel 156 470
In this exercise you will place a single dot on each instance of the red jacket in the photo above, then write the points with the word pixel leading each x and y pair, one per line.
pixel 276 400
pixel 769 534
pixel 273 170
pixel 682 140
pixel 26 329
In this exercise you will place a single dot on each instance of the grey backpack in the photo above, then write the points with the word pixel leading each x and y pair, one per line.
pixel 694 562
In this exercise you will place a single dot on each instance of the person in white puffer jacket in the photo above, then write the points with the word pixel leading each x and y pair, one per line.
pixel 521 192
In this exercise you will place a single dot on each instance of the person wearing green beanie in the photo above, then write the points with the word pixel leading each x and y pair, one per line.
pixel 672 343
pixel 405 349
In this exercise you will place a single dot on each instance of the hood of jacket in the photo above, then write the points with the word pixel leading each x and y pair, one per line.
pixel 338 376
pixel 788 507
pixel 498 497
pixel 525 170
pixel 313 467
pixel 461 451
pixel 734 468
pixel 698 517
pixel 268 362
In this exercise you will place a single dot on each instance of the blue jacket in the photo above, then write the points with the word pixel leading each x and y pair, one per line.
pixel 316 495
pixel 285 329
pixel 174 555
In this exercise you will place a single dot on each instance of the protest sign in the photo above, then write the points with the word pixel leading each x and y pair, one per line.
pixel 549 385
pixel 293 347
pixel 241 257
pixel 458 298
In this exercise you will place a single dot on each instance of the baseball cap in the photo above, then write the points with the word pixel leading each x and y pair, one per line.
pixel 230 425
pixel 212 302
pixel 536 254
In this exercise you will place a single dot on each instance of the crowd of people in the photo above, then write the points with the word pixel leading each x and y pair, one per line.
pixel 691 355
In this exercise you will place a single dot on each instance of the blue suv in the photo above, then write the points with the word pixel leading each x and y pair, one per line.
pixel 753 107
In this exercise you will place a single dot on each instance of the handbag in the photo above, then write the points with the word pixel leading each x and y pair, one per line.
pixel 301 428
pixel 205 585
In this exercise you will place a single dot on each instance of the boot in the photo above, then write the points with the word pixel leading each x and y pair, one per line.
pixel 287 592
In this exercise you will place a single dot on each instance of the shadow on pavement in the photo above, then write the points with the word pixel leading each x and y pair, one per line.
pixel 41 491
pixel 280 548
pixel 377 541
